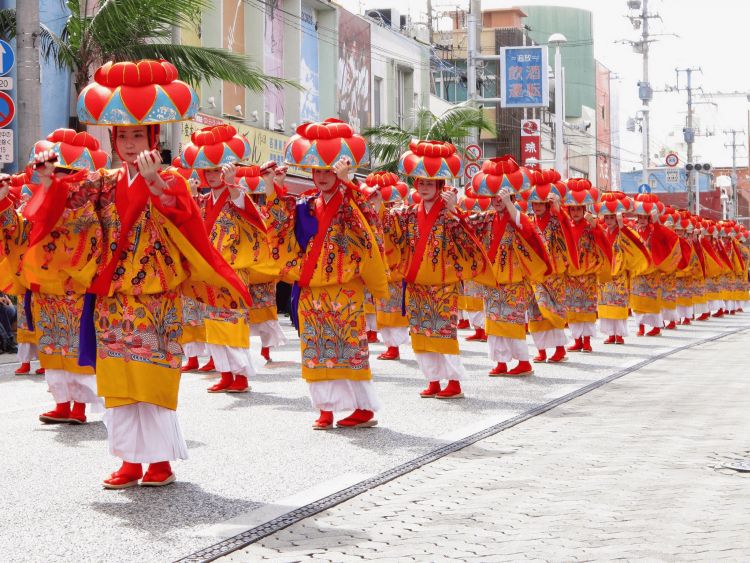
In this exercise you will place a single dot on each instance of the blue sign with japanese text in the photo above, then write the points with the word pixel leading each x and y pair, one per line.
pixel 523 75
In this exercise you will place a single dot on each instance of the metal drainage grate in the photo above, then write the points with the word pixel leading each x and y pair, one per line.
pixel 252 535
pixel 739 465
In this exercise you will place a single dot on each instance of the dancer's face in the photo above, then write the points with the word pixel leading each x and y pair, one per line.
pixel 539 208
pixel 213 177
pixel 576 212
pixel 131 141
pixel 428 190
pixel 610 221
pixel 324 180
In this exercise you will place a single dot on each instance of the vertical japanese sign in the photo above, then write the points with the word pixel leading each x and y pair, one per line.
pixel 523 75
pixel 354 70
pixel 530 141
pixel 273 56
pixel 309 106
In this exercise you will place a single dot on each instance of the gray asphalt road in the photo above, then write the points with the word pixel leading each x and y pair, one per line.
pixel 249 451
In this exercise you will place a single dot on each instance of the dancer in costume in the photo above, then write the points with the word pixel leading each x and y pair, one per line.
pixel 548 313
pixel 154 241
pixel 65 246
pixel 594 255
pixel 666 254
pixel 390 317
pixel 326 246
pixel 688 278
pixel 669 290
pixel 518 257
pixel 629 257
pixel 15 242
pixel 439 252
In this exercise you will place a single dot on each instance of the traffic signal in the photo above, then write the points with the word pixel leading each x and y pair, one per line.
pixel 698 167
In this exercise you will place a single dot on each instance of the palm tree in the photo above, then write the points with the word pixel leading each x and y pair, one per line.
pixel 387 142
pixel 101 30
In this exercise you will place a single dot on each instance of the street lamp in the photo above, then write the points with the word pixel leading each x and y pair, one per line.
pixel 556 40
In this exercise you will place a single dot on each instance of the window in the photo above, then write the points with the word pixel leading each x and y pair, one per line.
pixel 377 100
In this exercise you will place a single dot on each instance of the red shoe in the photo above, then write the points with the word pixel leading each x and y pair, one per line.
pixel 610 339
pixel 719 313
pixel 451 391
pixel 266 353
pixel 641 330
pixel 209 366
pixel 619 340
pixel 731 312
pixel 239 386
pixel 40 371
pixel 61 414
pixel 391 354
pixel 478 336
pixel 500 369
pixel 740 310
pixel 672 325
pixel 192 364
pixel 360 418
pixel 541 356
pixel 372 336
pixel 24 368
pixel 324 422
pixel 586 344
pixel 226 382
pixel 126 476
pixel 656 331
pixel 433 388
pixel 523 368
pixel 463 324
pixel 78 414
pixel 559 355
pixel 703 317
pixel 577 345
pixel 685 321
pixel 158 475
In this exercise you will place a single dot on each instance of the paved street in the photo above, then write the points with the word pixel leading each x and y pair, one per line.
pixel 631 470
pixel 254 456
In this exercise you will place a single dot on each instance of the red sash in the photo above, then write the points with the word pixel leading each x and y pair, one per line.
pixel 324 213
pixel 425 222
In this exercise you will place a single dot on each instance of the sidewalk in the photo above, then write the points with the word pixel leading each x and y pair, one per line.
pixel 631 470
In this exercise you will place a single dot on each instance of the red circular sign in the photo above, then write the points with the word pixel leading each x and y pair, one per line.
pixel 672 159
pixel 529 127
pixel 7 109
pixel 471 169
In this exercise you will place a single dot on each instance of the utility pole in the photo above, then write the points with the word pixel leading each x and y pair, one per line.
pixel 430 29
pixel 689 136
pixel 27 73
pixel 734 144
pixel 645 93
pixel 473 24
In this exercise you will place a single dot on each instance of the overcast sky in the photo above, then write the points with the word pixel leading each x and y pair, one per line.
pixel 713 36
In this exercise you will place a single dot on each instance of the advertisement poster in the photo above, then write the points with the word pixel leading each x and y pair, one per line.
pixel 273 57
pixel 523 72
pixel 309 107
pixel 530 141
pixel 354 70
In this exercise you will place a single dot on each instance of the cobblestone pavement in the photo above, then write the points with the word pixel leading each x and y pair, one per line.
pixel 254 456
pixel 631 470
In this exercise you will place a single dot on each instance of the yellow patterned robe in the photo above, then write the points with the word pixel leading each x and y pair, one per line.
pixel 15 232
pixel 646 288
pixel 389 310
pixel 630 258
pixel 331 316
pixel 582 282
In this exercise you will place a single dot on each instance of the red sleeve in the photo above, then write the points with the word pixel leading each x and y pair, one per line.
pixel 663 242
pixel 567 230
pixel 601 240
pixel 532 235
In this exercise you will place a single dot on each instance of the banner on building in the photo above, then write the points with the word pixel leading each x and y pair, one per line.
pixel 523 72
pixel 309 106
pixel 354 70
pixel 273 57
pixel 603 129
pixel 265 145
pixel 531 131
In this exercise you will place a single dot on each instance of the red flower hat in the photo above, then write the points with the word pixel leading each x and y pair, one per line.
pixel 321 145
pixel 249 178
pixel 580 192
pixel 75 150
pixel 431 160
pixel 498 173
pixel 389 185
pixel 214 146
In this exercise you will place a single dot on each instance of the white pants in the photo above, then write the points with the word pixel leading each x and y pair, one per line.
pixel 502 349
pixel 66 386
pixel 476 318
pixel 436 366
pixel 26 352
pixel 144 433
pixel 232 359
pixel 549 338
pixel 684 311
pixel 670 315
pixel 195 349
pixel 716 304
pixel 616 327
pixel 579 330
pixel 701 308
pixel 731 304
pixel 344 395
pixel 371 322
pixel 395 335
pixel 271 335
pixel 650 319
